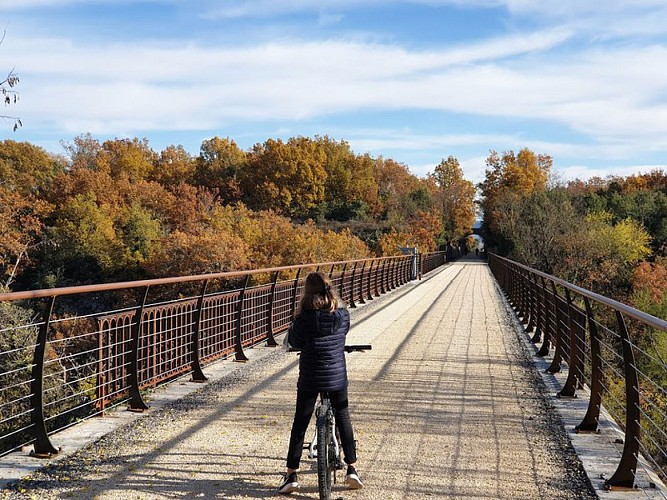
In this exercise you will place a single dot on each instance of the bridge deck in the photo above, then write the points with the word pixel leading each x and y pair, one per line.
pixel 447 404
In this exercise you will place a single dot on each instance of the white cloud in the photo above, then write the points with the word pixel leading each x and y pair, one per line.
pixel 280 80
pixel 382 140
pixel 615 97
pixel 230 9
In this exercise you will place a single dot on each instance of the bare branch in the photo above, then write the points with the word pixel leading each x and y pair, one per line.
pixel 10 96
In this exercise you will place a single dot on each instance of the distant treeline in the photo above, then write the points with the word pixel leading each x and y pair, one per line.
pixel 118 210
pixel 608 235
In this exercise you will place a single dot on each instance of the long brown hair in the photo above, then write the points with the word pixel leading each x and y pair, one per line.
pixel 317 294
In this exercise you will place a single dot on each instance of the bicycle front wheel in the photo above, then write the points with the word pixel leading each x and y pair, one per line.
pixel 324 450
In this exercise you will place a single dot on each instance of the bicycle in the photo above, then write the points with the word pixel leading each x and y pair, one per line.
pixel 325 444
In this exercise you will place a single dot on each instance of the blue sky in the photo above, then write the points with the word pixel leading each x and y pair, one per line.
pixel 412 80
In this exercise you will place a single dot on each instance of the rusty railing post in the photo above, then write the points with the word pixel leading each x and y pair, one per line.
pixel 238 341
pixel 570 386
pixel 136 401
pixel 592 418
pixel 271 339
pixel 523 296
pixel 42 446
pixel 532 306
pixel 540 308
pixel 354 274
pixel 548 325
pixel 383 276
pixel 624 477
pixel 558 354
pixel 362 300
pixel 197 373
pixel 295 290
pixel 421 259
pixel 101 392
pixel 341 287
pixel 372 290
pixel 510 285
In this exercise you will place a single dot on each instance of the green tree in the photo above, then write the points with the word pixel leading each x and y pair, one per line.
pixel 140 232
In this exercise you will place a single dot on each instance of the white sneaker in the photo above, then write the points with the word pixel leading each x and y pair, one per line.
pixel 289 483
pixel 352 479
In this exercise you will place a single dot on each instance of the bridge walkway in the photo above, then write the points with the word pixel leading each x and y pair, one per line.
pixel 446 405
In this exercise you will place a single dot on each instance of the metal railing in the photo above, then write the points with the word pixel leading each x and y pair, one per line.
pixel 72 353
pixel 613 347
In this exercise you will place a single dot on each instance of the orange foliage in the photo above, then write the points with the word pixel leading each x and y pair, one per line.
pixel 20 227
pixel 651 278
pixel 181 254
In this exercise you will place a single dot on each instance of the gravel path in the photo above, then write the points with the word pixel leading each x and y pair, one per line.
pixel 446 405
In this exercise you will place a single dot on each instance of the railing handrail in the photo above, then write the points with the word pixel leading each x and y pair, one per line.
pixel 105 287
pixel 626 309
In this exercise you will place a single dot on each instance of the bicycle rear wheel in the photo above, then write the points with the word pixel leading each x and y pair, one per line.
pixel 325 464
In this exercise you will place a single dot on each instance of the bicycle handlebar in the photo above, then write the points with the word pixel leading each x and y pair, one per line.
pixel 348 348
pixel 358 347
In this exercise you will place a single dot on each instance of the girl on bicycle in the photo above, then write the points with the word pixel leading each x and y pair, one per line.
pixel 319 328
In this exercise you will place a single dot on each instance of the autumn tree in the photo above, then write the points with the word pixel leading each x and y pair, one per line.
pixel 456 199
pixel 642 198
pixel 83 151
pixel 26 168
pixel 174 166
pixel 288 177
pixel 599 255
pixel 88 244
pixel 509 175
pixel 132 159
pixel 649 290
pixel 220 167
pixel 400 194
pixel 274 240
pixel 350 188
pixel 21 228
pixel 206 251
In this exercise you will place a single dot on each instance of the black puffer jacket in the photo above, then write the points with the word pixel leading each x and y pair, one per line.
pixel 321 337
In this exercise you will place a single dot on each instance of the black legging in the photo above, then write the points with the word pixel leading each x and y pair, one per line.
pixel 305 404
